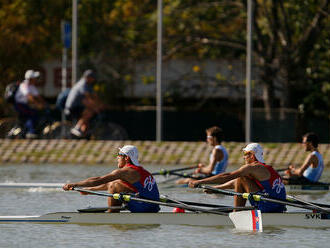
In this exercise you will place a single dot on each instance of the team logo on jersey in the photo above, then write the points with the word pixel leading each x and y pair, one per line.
pixel 278 185
pixel 149 183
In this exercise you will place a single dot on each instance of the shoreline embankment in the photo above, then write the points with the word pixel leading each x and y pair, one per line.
pixel 151 152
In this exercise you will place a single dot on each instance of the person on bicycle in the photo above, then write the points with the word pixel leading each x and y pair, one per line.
pixel 82 103
pixel 28 102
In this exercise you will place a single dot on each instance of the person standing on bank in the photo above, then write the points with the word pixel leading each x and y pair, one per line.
pixel 254 176
pixel 218 158
pixel 130 177
pixel 311 170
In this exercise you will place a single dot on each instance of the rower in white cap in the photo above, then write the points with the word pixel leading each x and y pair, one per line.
pixel 130 177
pixel 254 176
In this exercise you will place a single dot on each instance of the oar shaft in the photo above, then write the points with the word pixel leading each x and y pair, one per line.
pixel 181 175
pixel 306 203
pixel 167 172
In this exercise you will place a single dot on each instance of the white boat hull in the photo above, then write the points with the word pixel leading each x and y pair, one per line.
pixel 308 189
pixel 292 219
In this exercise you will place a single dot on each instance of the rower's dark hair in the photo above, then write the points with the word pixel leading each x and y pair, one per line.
pixel 215 132
pixel 312 137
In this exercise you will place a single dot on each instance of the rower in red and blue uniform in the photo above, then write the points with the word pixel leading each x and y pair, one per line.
pixel 130 177
pixel 146 188
pixel 274 188
pixel 254 176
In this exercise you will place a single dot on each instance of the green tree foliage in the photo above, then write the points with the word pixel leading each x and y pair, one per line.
pixel 291 41
pixel 292 47
pixel 30 34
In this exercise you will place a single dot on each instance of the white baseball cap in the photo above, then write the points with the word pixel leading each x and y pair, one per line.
pixel 257 150
pixel 31 74
pixel 131 152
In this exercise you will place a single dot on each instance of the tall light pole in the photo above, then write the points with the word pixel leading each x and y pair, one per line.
pixel 74 40
pixel 66 42
pixel 159 72
pixel 248 101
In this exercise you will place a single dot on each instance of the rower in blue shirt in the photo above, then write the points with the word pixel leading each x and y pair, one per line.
pixel 218 160
pixel 311 170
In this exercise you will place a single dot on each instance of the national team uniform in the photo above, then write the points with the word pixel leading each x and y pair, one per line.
pixel 274 187
pixel 146 188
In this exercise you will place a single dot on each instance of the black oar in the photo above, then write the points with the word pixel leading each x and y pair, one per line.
pixel 257 197
pixel 223 208
pixel 165 198
pixel 184 175
pixel 127 198
pixel 165 172
pixel 299 200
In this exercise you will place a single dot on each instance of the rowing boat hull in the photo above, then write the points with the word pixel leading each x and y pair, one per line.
pixel 292 219
pixel 308 189
pixel 166 218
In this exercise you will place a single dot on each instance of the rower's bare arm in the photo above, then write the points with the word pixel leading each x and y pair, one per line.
pixel 222 178
pixel 95 181
pixel 310 160
pixel 217 155
pixel 227 185
pixel 96 188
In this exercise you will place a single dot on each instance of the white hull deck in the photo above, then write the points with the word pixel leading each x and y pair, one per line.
pixel 292 219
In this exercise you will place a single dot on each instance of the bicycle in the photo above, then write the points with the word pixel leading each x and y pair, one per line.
pixel 100 129
pixel 14 127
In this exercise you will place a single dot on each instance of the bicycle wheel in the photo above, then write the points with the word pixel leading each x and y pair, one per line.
pixel 57 130
pixel 10 128
pixel 108 131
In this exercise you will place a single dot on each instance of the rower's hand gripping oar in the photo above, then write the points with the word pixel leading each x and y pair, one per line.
pixel 165 172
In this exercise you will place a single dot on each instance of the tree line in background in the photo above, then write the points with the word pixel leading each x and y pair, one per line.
pixel 291 42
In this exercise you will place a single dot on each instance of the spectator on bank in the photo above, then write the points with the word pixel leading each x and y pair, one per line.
pixel 28 102
pixel 82 103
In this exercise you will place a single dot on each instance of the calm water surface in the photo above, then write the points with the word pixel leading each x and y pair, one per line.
pixel 36 202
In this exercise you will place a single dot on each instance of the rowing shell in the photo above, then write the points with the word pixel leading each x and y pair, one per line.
pixel 292 219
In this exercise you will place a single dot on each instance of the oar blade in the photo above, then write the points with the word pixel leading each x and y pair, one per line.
pixel 250 220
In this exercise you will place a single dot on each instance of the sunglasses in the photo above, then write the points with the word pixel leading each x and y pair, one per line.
pixel 121 154
pixel 247 153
